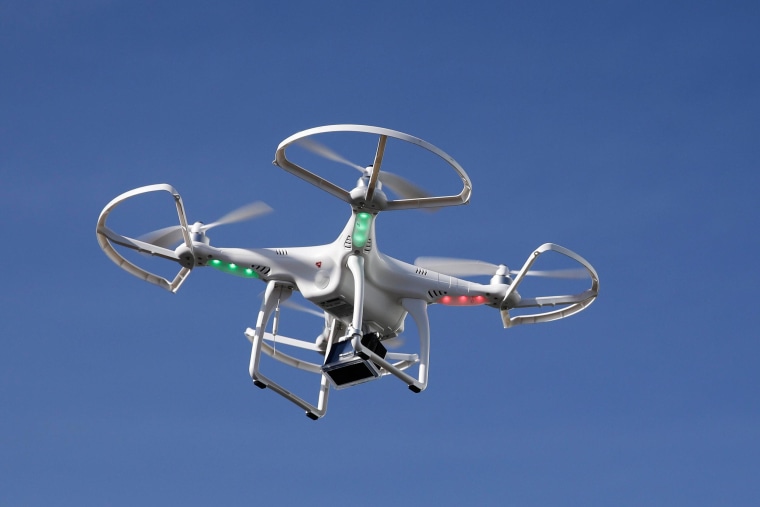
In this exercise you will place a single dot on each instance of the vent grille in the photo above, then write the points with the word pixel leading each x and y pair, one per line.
pixel 337 307
pixel 421 271
pixel 368 246
pixel 281 251
pixel 347 243
pixel 436 293
pixel 264 270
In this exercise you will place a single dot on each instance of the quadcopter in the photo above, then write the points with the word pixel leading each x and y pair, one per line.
pixel 363 295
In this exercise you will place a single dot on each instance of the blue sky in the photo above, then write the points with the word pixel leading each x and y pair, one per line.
pixel 626 131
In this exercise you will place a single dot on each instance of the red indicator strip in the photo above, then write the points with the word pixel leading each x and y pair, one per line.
pixel 462 300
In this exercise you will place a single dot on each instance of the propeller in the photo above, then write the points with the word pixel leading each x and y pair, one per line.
pixel 329 154
pixel 301 308
pixel 165 238
pixel 398 184
pixel 402 187
pixel 394 343
pixel 243 213
pixel 467 267
pixel 169 236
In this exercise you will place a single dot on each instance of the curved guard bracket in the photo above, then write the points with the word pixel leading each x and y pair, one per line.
pixel 462 197
pixel 570 304
pixel 107 237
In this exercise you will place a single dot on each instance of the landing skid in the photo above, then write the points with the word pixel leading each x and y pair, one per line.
pixel 277 292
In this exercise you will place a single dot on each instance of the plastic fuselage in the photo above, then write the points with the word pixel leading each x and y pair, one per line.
pixel 321 274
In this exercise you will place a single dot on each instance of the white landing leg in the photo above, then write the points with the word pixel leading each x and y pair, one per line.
pixel 274 295
pixel 355 264
pixel 418 310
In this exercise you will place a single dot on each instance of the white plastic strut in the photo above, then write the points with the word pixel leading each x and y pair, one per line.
pixel 275 293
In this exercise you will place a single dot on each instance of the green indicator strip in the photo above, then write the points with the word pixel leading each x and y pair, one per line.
pixel 232 269
pixel 361 229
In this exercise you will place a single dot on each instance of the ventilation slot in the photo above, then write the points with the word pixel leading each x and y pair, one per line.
pixel 421 271
pixel 347 243
pixel 264 270
pixel 280 251
pixel 436 293
pixel 337 307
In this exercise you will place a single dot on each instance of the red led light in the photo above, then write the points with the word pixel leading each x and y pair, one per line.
pixel 463 300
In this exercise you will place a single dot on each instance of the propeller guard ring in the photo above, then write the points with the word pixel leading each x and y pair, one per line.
pixel 182 255
pixel 282 161
pixel 569 305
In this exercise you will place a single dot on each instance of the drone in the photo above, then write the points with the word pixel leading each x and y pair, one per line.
pixel 363 295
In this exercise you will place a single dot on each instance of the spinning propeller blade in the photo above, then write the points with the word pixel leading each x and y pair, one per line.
pixel 329 154
pixel 398 184
pixel 467 267
pixel 165 238
pixel 402 187
pixel 170 236
pixel 301 308
pixel 393 343
pixel 247 212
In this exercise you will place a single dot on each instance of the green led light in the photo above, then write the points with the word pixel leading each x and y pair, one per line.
pixel 361 229
pixel 232 269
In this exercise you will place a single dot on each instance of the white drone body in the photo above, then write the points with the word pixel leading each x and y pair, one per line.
pixel 364 295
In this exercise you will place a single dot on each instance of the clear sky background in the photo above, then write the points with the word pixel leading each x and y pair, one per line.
pixel 626 131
